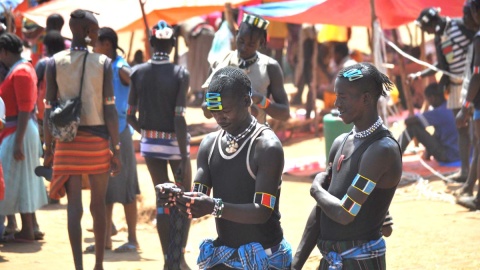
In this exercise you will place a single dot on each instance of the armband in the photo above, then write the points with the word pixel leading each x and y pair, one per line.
pixel 109 101
pixel 264 103
pixel 198 187
pixel 351 206
pixel 265 199
pixel 476 69
pixel 180 111
pixel 363 184
pixel 466 104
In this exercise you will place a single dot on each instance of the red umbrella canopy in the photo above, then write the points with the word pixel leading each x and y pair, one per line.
pixel 390 13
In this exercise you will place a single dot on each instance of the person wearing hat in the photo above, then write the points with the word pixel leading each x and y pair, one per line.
pixel 269 96
pixel 452 39
pixel 89 152
pixel 158 92
pixel 122 188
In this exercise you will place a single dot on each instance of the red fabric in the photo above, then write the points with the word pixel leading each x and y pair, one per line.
pixel 19 90
pixel 391 13
pixel 2 185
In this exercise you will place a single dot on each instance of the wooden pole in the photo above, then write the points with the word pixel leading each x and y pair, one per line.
pixel 148 50
pixel 312 90
pixel 132 35
pixel 403 76
pixel 374 18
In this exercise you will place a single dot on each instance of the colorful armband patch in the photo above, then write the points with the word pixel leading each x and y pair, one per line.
pixel 131 110
pixel 198 187
pixel 265 199
pixel 476 69
pixel 214 101
pixel 180 111
pixel 109 101
pixel 363 184
pixel 163 211
pixel 351 206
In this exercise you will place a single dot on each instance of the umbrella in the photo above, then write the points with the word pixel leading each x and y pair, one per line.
pixel 390 13
pixel 126 15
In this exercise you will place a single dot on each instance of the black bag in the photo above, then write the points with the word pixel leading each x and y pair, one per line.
pixel 64 117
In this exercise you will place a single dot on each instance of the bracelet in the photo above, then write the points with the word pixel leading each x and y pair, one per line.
pixel 264 103
pixel 217 208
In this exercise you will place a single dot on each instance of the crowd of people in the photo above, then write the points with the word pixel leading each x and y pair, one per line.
pixel 239 167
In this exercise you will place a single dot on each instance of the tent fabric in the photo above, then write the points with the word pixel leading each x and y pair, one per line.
pixel 390 13
pixel 126 15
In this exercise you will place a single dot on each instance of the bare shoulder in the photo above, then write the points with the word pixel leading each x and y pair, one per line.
pixel 268 142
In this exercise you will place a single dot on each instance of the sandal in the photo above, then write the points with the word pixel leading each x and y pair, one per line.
pixel 11 238
pixel 38 235
pixel 91 249
pixel 127 247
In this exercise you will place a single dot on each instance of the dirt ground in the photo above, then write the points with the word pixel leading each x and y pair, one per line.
pixel 430 230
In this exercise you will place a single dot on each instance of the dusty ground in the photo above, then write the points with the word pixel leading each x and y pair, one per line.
pixel 430 231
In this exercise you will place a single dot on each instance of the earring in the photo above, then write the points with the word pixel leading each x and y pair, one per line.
pixel 88 39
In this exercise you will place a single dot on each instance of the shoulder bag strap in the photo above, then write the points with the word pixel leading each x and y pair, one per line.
pixel 83 73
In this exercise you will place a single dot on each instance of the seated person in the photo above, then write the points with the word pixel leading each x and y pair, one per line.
pixel 442 145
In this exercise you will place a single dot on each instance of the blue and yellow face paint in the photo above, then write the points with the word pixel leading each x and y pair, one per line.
pixel 214 101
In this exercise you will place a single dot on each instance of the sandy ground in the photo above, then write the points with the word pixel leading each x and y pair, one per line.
pixel 430 231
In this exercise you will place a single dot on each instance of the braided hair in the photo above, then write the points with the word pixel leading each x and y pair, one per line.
pixel 230 79
pixel 11 42
pixel 372 80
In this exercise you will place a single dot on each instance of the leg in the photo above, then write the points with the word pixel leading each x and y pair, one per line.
pixel 131 217
pixel 11 224
pixel 27 227
pixel 181 224
pixel 432 146
pixel 464 149
pixel 74 216
pixel 36 229
pixel 98 190
pixel 109 225
pixel 159 173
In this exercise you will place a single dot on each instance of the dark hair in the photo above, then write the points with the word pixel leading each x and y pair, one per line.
pixel 230 79
pixel 163 45
pixel 55 22
pixel 54 42
pixel 11 43
pixel 434 89
pixel 262 33
pixel 372 81
pixel 107 33
pixel 341 48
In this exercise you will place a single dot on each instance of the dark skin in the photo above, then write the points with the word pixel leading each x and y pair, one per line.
pixel 267 163
pixel 247 45
pixel 359 108
pixel 82 28
pixel 181 169
pixel 106 47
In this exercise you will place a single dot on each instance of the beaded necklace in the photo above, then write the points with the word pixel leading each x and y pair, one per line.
pixel 160 56
pixel 79 48
pixel 245 63
pixel 232 141
pixel 368 131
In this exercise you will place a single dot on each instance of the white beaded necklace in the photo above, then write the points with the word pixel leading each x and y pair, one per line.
pixel 368 131
pixel 232 141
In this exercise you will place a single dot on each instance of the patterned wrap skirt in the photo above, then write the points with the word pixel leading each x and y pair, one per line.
pixel 24 191
pixel 86 154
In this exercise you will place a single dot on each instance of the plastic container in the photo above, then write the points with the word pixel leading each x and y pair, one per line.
pixel 333 126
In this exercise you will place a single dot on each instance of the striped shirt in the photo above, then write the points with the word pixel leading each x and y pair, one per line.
pixel 454 44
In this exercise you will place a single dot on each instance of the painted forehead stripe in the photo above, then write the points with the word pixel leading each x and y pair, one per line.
pixel 214 101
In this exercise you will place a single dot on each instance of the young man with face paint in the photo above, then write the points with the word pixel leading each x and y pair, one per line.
pixel 89 152
pixel 242 163
pixel 268 94
pixel 452 39
pixel 354 193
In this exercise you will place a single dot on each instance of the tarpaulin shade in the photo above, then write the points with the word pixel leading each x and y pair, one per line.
pixel 126 15
pixel 390 13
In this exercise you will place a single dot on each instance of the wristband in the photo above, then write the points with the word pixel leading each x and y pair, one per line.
pixel 218 207
pixel 264 103
pixel 476 69
pixel 466 104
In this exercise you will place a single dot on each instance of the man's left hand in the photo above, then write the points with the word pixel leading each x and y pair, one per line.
pixel 195 204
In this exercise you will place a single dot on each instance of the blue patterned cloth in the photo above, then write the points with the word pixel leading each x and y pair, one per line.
pixel 372 249
pixel 251 256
